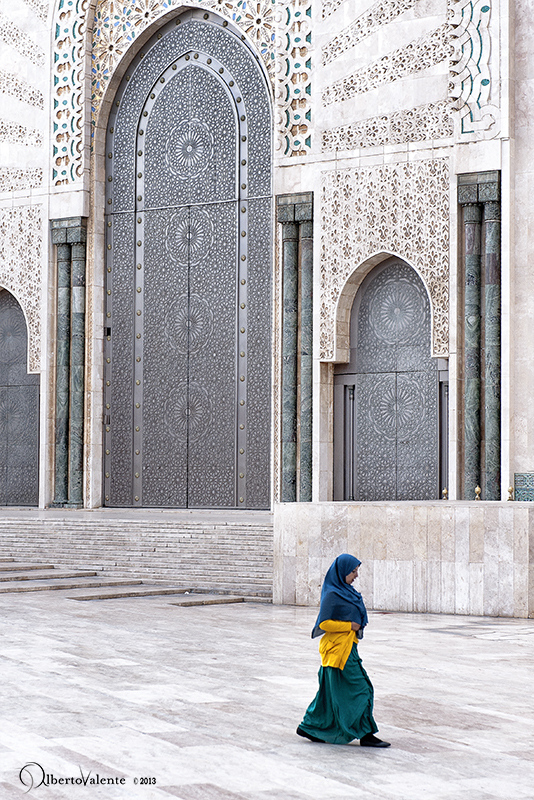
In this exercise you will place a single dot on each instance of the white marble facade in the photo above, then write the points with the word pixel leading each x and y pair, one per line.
pixel 455 558
pixel 388 99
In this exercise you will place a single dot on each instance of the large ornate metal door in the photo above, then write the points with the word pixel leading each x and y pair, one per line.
pixel 19 411
pixel 188 277
pixel 386 398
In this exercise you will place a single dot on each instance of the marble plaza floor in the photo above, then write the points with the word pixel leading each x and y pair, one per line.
pixel 205 701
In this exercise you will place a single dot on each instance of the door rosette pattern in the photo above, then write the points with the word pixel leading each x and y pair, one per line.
pixel 188 413
pixel 397 411
pixel 393 314
pixel 189 236
pixel 188 323
pixel 19 410
pixel 386 398
pixel 189 149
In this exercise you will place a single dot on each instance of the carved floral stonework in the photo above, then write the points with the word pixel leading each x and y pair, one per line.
pixel 280 32
pixel 401 209
pixel 20 134
pixel 40 7
pixel 13 179
pixel 423 123
pixel 381 13
pixel 15 37
pixel 12 84
pixel 67 95
pixel 430 49
pixel 21 243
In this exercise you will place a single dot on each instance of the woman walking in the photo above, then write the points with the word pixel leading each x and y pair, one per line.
pixel 343 707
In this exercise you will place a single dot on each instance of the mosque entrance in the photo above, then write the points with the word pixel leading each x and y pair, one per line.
pixel 19 410
pixel 188 317
pixel 386 399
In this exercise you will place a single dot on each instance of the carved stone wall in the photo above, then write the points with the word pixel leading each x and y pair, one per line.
pixel 69 26
pixel 381 13
pixel 13 85
pixel 17 38
pixel 13 179
pixel 20 134
pixel 463 42
pixel 281 33
pixel 402 209
pixel 40 7
pixel 21 243
pixel 430 49
pixel 23 82
pixel 423 123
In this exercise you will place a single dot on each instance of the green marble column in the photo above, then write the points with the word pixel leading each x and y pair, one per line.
pixel 295 214
pixel 472 349
pixel 306 360
pixel 492 351
pixel 77 360
pixel 290 252
pixel 61 491
pixel 69 235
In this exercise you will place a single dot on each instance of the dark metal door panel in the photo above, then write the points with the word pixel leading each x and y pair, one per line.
pixel 393 324
pixel 394 452
pixel 3 445
pixel 119 361
pixel 162 370
pixel 22 485
pixel 417 436
pixel 182 269
pixel 19 411
pixel 375 432
pixel 190 139
pixel 213 362
pixel 258 355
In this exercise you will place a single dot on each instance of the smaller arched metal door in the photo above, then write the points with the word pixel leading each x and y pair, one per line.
pixel 386 403
pixel 19 410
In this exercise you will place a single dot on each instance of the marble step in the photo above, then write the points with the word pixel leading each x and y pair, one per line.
pixel 215 561
pixel 189 599
pixel 207 600
pixel 17 567
pixel 46 574
pixel 43 586
pixel 144 590
pixel 217 572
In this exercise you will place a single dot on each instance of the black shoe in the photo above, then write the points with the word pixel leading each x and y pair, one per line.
pixel 370 740
pixel 309 736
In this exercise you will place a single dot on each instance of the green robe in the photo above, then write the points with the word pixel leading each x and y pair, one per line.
pixel 343 707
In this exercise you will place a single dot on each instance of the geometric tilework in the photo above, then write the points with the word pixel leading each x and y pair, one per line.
pixel 524 486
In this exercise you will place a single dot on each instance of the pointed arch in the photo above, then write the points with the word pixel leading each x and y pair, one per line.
pixel 348 293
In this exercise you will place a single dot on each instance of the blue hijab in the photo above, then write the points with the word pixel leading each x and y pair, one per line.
pixel 338 598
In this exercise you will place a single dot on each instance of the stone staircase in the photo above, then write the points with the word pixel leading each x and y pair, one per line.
pixel 201 555
pixel 19 578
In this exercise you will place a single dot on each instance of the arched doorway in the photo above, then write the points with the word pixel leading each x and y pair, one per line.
pixel 386 399
pixel 188 281
pixel 19 410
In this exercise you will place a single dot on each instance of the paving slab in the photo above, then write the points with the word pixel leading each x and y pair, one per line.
pixel 202 702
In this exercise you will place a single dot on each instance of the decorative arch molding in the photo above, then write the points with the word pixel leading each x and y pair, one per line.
pixel 21 241
pixel 92 36
pixel 393 209
pixel 346 299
